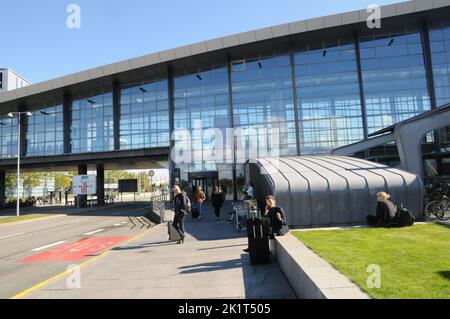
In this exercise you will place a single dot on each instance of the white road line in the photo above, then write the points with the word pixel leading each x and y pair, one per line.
pixel 11 236
pixel 117 225
pixel 80 221
pixel 94 232
pixel 49 245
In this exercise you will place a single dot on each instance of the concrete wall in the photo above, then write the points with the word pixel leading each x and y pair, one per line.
pixel 310 276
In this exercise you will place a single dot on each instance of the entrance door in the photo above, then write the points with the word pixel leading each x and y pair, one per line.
pixel 206 180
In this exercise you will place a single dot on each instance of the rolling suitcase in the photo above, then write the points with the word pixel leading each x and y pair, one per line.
pixel 173 233
pixel 258 231
pixel 259 250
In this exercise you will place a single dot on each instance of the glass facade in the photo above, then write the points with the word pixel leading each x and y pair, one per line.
pixel 329 102
pixel 8 137
pixel 92 124
pixel 440 57
pixel 300 95
pixel 201 104
pixel 45 132
pixel 144 116
pixel 394 78
pixel 263 105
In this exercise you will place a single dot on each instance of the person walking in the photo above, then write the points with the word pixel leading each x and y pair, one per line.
pixel 199 198
pixel 217 199
pixel 180 207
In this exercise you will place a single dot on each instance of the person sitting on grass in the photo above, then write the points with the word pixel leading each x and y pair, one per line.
pixel 385 212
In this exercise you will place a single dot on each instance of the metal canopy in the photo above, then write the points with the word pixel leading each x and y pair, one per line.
pixel 331 190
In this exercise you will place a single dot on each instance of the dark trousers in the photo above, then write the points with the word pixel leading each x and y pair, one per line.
pixel 217 211
pixel 178 223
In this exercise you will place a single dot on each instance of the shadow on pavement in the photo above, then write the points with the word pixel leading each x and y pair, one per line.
pixel 212 266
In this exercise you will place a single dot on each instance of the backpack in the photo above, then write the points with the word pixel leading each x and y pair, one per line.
pixel 404 217
pixel 188 203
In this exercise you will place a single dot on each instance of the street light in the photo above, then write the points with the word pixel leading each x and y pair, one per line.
pixel 18 114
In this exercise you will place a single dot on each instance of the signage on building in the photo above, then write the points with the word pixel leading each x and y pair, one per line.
pixel 84 184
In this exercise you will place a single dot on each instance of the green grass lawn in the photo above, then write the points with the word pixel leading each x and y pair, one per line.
pixel 11 219
pixel 414 261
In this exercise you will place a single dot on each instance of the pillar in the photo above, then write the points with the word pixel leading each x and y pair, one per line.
pixel 100 184
pixel 82 170
pixel 2 188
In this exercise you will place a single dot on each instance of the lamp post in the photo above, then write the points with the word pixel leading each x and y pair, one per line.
pixel 18 114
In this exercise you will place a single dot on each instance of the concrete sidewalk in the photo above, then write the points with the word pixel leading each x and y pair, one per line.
pixel 211 264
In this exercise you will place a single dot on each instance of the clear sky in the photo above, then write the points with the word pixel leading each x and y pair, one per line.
pixel 37 44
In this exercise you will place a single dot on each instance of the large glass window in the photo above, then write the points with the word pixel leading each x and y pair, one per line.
pixel 329 103
pixel 92 124
pixel 144 116
pixel 395 84
pixel 45 132
pixel 201 104
pixel 440 55
pixel 8 137
pixel 263 105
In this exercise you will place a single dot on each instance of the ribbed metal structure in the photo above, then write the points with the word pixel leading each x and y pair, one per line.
pixel 331 190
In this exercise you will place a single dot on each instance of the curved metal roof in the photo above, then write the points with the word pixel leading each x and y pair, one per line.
pixel 332 190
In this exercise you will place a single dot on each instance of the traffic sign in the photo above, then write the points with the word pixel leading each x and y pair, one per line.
pixel 151 173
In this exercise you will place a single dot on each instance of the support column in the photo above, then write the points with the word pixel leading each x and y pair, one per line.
pixel 2 188
pixel 230 111
pixel 67 120
pixel 100 184
pixel 82 199
pixel 298 127
pixel 170 91
pixel 116 115
pixel 23 135
pixel 361 88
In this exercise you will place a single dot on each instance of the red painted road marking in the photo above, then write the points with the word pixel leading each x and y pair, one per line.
pixel 76 251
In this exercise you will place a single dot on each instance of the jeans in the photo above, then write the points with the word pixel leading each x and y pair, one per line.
pixel 199 208
pixel 178 223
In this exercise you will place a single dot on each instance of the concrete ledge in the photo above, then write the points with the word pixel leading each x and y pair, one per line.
pixel 309 275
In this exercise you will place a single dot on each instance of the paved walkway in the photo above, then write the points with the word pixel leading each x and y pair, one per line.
pixel 210 264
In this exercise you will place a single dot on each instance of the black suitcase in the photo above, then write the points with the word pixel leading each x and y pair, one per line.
pixel 259 250
pixel 173 233
pixel 194 213
pixel 258 231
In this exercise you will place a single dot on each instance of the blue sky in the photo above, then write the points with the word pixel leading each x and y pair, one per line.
pixel 39 46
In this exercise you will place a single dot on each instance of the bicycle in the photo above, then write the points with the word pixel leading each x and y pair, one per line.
pixel 438 202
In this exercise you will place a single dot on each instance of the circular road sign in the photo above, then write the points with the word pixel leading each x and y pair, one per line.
pixel 151 173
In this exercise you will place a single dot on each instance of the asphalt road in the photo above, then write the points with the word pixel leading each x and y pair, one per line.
pixel 22 240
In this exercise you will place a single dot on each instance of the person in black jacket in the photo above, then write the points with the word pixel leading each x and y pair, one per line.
pixel 217 200
pixel 385 212
pixel 180 207
pixel 277 217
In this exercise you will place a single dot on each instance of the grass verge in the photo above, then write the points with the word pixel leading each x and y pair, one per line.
pixel 414 261
pixel 4 220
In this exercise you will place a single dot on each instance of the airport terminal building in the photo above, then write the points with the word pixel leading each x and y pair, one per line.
pixel 321 84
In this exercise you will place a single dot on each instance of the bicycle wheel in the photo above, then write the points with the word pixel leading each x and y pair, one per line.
pixel 441 208
pixel 430 208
